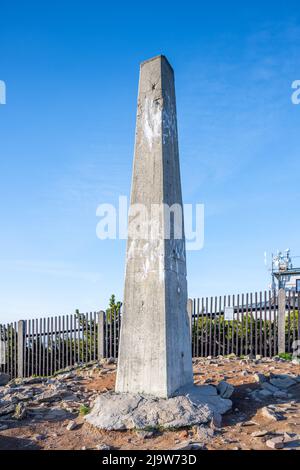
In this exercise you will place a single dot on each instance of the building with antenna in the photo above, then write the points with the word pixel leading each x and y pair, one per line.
pixel 284 274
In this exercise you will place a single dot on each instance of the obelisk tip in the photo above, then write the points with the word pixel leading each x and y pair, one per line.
pixel 160 57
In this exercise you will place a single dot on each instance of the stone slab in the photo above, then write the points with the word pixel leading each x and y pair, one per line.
pixel 115 411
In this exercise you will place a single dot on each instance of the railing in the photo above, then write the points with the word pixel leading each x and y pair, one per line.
pixel 44 346
pixel 247 324
pixel 253 328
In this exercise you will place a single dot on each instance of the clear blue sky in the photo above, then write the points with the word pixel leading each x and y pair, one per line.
pixel 67 136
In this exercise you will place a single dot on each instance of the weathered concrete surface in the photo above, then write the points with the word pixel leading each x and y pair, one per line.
pixel 155 352
pixel 118 412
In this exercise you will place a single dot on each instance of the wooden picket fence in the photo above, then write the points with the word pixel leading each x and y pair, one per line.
pixel 253 330
pixel 44 346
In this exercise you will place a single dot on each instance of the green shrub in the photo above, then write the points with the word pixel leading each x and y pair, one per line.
pixel 286 356
pixel 207 327
pixel 84 410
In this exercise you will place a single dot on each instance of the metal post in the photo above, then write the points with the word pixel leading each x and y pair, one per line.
pixel 101 317
pixel 21 343
pixel 281 321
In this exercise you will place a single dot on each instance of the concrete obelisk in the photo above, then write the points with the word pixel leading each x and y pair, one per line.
pixel 155 347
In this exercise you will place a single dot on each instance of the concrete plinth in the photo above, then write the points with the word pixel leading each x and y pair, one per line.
pixel 113 411
pixel 155 345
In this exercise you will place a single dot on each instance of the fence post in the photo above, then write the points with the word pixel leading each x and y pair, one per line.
pixel 21 342
pixel 101 317
pixel 190 314
pixel 281 321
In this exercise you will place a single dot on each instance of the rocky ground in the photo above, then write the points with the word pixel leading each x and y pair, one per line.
pixel 39 413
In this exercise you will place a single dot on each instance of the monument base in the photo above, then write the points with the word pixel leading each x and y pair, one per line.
pixel 194 406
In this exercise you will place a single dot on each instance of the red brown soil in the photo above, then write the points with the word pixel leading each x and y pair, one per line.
pixel 234 434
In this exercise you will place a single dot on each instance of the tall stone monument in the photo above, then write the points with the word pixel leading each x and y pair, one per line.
pixel 155 345
pixel 154 387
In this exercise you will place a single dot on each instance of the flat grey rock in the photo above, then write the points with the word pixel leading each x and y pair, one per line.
pixel 283 382
pixel 4 378
pixel 225 389
pixel 260 378
pixel 189 445
pixel 275 443
pixel 7 409
pixel 281 394
pixel 272 414
pixel 113 411
pixel 264 393
pixel 269 387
